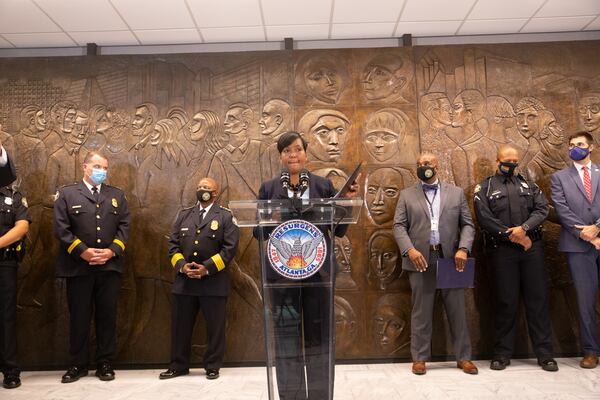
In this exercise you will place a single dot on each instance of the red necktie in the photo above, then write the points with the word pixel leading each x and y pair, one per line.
pixel 587 183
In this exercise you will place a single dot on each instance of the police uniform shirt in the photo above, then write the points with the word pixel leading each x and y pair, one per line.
pixel 13 208
pixel 492 205
pixel 210 240
pixel 81 222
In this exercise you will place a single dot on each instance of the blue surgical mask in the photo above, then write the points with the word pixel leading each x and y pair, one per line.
pixel 98 175
pixel 579 153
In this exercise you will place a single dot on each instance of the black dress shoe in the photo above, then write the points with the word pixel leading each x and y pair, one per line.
pixel 73 374
pixel 499 364
pixel 105 371
pixel 173 373
pixel 11 381
pixel 212 373
pixel 548 364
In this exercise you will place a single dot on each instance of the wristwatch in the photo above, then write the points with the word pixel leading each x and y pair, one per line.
pixel 525 227
pixel 597 223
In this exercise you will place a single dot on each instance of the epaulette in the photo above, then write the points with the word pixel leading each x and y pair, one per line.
pixel 69 184
pixel 226 209
pixel 187 208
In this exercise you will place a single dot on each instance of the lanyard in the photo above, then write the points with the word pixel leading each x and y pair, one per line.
pixel 430 202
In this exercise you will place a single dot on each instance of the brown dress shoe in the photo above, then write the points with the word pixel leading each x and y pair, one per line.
pixel 589 361
pixel 468 367
pixel 419 368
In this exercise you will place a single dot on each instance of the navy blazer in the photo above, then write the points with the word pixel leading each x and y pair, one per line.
pixel 319 188
pixel 573 207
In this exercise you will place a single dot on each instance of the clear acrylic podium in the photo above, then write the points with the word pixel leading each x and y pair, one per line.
pixel 299 314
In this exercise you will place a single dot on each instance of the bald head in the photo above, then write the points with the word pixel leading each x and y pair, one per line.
pixel 427 158
pixel 210 186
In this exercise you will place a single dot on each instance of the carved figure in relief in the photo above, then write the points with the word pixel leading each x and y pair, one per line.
pixel 322 78
pixel 384 133
pixel 343 254
pixel 276 119
pixel 346 325
pixel 382 188
pixel 383 258
pixel 391 323
pixel 326 131
pixel 383 78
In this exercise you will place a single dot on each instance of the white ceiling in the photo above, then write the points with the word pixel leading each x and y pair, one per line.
pixel 69 23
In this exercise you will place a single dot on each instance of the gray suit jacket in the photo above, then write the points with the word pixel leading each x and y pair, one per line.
pixel 412 225
pixel 573 207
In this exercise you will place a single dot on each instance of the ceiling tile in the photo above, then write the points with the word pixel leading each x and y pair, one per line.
pixel 294 12
pixel 566 8
pixel 434 10
pixel 491 26
pixel 347 11
pixel 557 24
pixel 4 44
pixel 594 26
pixel 235 34
pixel 298 32
pixel 22 16
pixel 428 28
pixel 219 13
pixel 107 38
pixel 370 30
pixel 155 14
pixel 168 36
pixel 88 15
pixel 39 39
pixel 494 9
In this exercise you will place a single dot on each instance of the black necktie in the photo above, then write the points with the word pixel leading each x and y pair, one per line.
pixel 95 193
pixel 513 202
pixel 202 211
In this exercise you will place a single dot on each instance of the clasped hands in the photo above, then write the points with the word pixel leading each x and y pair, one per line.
pixel 517 235
pixel 420 263
pixel 589 233
pixel 194 270
pixel 97 256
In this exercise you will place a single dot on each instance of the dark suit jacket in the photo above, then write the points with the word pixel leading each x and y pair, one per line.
pixel 212 243
pixel 80 223
pixel 319 188
pixel 8 173
pixel 573 207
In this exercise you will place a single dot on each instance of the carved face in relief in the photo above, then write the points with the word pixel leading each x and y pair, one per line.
pixel 142 118
pixel 383 258
pixel 335 175
pixel 390 324
pixel 381 195
pixel 275 117
pixel 33 118
pixel 384 131
pixel 343 252
pixel 529 122
pixel 69 120
pixel 198 127
pixel 329 135
pixel 589 112
pixel 382 77
pixel 323 80
pixel 345 325
pixel 80 129
pixel 437 108
pixel 237 119
pixel 468 108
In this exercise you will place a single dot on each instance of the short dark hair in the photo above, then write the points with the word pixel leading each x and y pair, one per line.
pixel 288 138
pixel 588 136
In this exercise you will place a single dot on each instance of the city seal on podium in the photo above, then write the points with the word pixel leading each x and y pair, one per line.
pixel 296 249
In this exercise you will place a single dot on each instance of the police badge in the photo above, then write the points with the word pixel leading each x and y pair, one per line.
pixel 214 225
pixel 114 203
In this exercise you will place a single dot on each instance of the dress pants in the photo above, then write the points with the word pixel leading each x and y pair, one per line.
pixel 514 272
pixel 184 310
pixel 423 285
pixel 585 270
pixel 8 317
pixel 302 331
pixel 95 293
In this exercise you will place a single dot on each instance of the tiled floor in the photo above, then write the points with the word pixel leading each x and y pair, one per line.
pixel 522 380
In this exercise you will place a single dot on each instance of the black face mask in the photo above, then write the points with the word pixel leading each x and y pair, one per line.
pixel 425 172
pixel 507 168
pixel 204 196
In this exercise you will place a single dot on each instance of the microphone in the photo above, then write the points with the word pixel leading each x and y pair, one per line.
pixel 304 180
pixel 285 178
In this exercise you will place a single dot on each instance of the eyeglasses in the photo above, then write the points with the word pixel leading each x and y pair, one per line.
pixel 594 108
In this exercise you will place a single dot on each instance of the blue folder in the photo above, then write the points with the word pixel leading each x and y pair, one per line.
pixel 449 278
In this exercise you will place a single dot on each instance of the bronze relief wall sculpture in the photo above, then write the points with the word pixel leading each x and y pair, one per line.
pixel 166 121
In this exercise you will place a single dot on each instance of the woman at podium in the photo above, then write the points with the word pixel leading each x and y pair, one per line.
pixel 300 329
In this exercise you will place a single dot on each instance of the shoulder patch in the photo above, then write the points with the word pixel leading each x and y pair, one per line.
pixel 24 202
pixel 477 188
pixel 226 209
